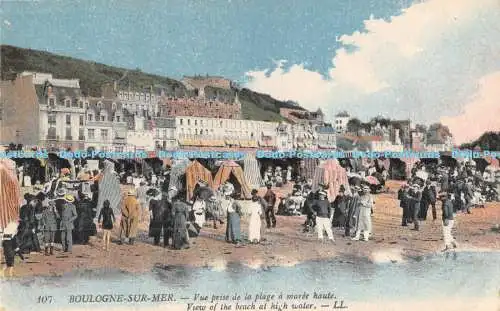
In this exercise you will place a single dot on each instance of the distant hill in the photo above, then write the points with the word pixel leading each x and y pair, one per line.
pixel 92 75
pixel 488 141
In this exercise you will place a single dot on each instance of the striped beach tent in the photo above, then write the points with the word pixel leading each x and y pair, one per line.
pixel 232 172
pixel 10 193
pixel 109 188
pixel 251 168
pixel 177 173
pixel 308 168
pixel 410 163
pixel 195 171
pixel 332 174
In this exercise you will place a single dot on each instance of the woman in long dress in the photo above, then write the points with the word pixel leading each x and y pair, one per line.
pixel 180 210
pixel 233 211
pixel 255 221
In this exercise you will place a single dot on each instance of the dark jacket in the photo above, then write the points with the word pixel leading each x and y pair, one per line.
pixel 49 219
pixel 86 211
pixel 322 208
pixel 447 210
pixel 403 198
pixel 270 198
pixel 68 216
pixel 27 215
pixel 108 218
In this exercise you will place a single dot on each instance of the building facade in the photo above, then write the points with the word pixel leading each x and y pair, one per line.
pixel 199 107
pixel 215 132
pixel 327 138
pixel 164 133
pixel 62 114
pixel 304 137
pixel 19 112
pixel 341 121
pixel 105 125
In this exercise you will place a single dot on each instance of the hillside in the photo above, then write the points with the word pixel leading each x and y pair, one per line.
pixel 488 141
pixel 93 75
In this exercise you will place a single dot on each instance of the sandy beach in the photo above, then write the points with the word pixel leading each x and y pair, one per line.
pixel 285 245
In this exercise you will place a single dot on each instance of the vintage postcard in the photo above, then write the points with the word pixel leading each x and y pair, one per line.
pixel 233 155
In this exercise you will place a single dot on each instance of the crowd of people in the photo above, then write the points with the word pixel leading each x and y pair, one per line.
pixel 66 211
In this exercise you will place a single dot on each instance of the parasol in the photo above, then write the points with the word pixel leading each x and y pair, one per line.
pixel 372 180
pixel 153 192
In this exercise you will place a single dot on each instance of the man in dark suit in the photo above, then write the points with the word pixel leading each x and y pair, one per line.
pixel 448 221
pixel 270 198
pixel 68 216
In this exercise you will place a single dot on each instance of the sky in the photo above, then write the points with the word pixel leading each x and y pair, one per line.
pixel 431 61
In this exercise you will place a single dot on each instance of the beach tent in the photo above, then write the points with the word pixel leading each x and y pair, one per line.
pixel 251 169
pixel 383 163
pixel 10 193
pixel 109 188
pixel 232 172
pixel 308 168
pixel 194 172
pixel 400 168
pixel 332 174
pixel 178 173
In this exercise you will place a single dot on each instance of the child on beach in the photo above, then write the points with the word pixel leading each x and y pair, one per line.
pixel 108 218
pixel 11 248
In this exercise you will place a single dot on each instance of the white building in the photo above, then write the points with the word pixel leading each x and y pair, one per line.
pixel 140 103
pixel 140 136
pixel 106 126
pixel 230 131
pixel 284 137
pixel 340 122
pixel 327 138
pixel 164 133
pixel 40 79
pixel 62 112
pixel 304 137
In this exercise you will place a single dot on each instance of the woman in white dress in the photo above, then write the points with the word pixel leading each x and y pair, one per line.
pixel 199 208
pixel 255 223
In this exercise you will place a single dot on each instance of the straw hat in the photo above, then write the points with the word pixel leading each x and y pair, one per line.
pixel 69 198
pixel 61 192
pixel 131 192
pixel 172 188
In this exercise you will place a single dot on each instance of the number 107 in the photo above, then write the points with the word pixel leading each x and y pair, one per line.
pixel 45 299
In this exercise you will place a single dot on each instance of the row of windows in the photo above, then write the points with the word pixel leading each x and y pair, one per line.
pixel 92 134
pixel 137 96
pixel 225 123
pixel 51 119
pixel 67 103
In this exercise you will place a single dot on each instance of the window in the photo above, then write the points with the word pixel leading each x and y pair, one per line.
pixel 81 120
pixel 80 104
pixel 180 121
pixel 68 134
pixel 103 118
pixel 117 118
pixel 91 133
pixel 68 119
pixel 67 103
pixel 189 122
pixel 90 116
pixel 52 102
pixel 195 122
pixel 81 134
pixel 104 134
pixel 51 118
